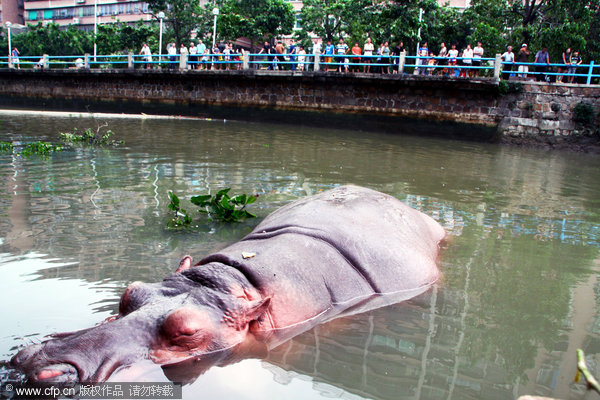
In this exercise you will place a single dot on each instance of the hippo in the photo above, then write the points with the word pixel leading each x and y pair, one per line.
pixel 341 252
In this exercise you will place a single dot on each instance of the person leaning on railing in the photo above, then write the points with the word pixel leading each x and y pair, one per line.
pixel 452 60
pixel 356 52
pixel 398 49
pixel 566 59
pixel 508 58
pixel 542 57
pixel 301 58
pixel 368 50
pixel 575 61
pixel 523 57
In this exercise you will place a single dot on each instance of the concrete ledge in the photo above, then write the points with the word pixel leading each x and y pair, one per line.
pixel 532 110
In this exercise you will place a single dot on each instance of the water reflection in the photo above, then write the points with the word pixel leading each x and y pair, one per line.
pixel 519 292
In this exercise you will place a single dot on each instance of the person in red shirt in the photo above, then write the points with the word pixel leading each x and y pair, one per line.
pixel 356 51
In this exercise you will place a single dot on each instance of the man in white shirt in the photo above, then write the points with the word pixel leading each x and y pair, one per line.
pixel 477 55
pixel 508 58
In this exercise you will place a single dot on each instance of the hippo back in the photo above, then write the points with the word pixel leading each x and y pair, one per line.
pixel 333 251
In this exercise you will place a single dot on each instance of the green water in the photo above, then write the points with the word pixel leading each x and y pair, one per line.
pixel 519 293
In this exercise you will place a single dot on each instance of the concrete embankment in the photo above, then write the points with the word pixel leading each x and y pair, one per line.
pixel 556 115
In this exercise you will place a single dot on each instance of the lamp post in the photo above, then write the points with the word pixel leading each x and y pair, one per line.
pixel 215 13
pixel 161 16
pixel 419 30
pixel 95 26
pixel 8 25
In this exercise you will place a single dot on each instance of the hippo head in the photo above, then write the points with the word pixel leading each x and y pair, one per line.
pixel 194 313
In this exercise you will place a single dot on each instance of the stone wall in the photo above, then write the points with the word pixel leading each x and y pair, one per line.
pixel 529 113
pixel 540 113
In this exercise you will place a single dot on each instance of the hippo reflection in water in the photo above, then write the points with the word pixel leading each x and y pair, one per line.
pixel 341 252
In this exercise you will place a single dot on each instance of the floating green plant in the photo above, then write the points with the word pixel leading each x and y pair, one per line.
pixel 220 207
pixel 6 147
pixel 40 148
pixel 98 138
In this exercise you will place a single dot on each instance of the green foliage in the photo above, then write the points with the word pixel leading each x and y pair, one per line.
pixel 506 87
pixel 91 138
pixel 181 18
pixel 36 148
pixel 122 38
pixel 180 217
pixel 53 40
pixel 40 148
pixel 219 207
pixel 223 207
pixel 332 19
pixel 117 38
pixel 6 147
pixel 584 113
pixel 255 19
pixel 556 24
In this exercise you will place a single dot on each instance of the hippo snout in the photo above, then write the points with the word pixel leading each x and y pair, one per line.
pixel 41 369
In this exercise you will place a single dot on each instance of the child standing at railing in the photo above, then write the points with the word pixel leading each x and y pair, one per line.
pixel 431 62
pixel 301 58
pixel 452 55
pixel 575 61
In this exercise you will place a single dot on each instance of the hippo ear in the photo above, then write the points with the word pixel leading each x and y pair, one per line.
pixel 184 264
pixel 256 309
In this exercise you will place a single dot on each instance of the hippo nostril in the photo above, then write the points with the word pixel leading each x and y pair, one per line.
pixel 26 354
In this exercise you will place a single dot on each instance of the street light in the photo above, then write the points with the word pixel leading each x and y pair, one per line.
pixel 419 30
pixel 215 13
pixel 8 25
pixel 95 26
pixel 161 16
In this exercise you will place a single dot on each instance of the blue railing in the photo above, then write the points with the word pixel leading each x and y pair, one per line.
pixel 458 66
pixel 540 72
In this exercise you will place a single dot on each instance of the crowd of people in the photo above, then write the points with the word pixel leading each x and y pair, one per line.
pixel 384 59
pixel 198 56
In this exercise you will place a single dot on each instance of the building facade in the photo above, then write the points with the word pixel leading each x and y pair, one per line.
pixel 82 12
pixel 11 11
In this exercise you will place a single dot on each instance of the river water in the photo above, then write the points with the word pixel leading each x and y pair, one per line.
pixel 519 295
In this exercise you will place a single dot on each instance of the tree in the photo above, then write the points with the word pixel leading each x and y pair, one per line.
pixel 51 39
pixel 181 16
pixel 556 24
pixel 124 38
pixel 255 19
pixel 332 19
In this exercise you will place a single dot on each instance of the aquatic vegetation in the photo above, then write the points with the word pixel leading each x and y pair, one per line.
pixel 91 138
pixel 181 216
pixel 220 207
pixel 40 148
pixel 36 148
pixel 6 147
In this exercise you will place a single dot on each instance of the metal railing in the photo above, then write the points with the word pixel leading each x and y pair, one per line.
pixel 392 64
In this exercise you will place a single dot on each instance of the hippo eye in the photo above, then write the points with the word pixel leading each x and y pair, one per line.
pixel 187 327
